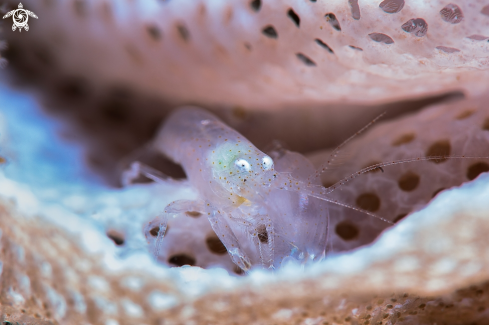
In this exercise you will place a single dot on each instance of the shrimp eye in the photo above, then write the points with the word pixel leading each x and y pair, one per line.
pixel 267 163
pixel 242 165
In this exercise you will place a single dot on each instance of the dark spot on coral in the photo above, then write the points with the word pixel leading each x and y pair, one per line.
pixel 295 18
pixel 154 32
pixel 408 182
pixel 437 191
pixel 2 160
pixel 381 38
pixel 255 5
pixel 215 245
pixel 416 26
pixel 368 201
pixel 116 237
pixel 452 14
pixel 465 114
pixel 238 270
pixel 485 126
pixel 392 6
pixel 447 49
pixel 346 230
pixel 181 260
pixel 240 113
pixel 422 306
pixel 476 169
pixel 485 10
pixel 305 60
pixel 439 148
pixel 356 48
pixel 355 9
pixel 477 37
pixel 331 19
pixel 403 139
pixel 269 31
pixel 155 230
pixel 324 45
pixel 193 214
pixel 183 32
pixel 399 217
pixel 263 234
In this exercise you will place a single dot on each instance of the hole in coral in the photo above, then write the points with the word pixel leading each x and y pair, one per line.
pixel 381 38
pixel 255 5
pixel 181 260
pixel 476 169
pixel 80 7
pixel 392 6
pixel 465 114
pixel 215 245
pixel 355 9
pixel 269 31
pixel 477 37
pixel 452 14
pixel 416 26
pixel 437 191
pixel 193 214
pixel 408 182
pixel 403 139
pixel 305 60
pixel 324 45
pixel 439 148
pixel 399 217
pixel 447 49
pixel 485 10
pixel 295 18
pixel 154 32
pixel 331 19
pixel 155 230
pixel 368 201
pixel 238 270
pixel 183 32
pixel 356 48
pixel 346 230
pixel 116 237
pixel 262 234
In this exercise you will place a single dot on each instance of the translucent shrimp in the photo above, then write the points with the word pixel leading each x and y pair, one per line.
pixel 265 210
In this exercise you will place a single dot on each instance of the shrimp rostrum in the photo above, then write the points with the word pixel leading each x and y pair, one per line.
pixel 265 211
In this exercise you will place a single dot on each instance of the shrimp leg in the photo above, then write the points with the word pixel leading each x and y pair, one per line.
pixel 221 227
pixel 155 230
pixel 262 237
pixel 137 169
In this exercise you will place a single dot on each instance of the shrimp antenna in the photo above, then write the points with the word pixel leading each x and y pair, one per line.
pixel 336 151
pixel 345 180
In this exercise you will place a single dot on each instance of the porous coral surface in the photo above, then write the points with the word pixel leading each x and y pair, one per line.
pixel 263 54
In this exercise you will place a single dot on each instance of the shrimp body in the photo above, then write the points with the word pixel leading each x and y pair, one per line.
pixel 258 206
